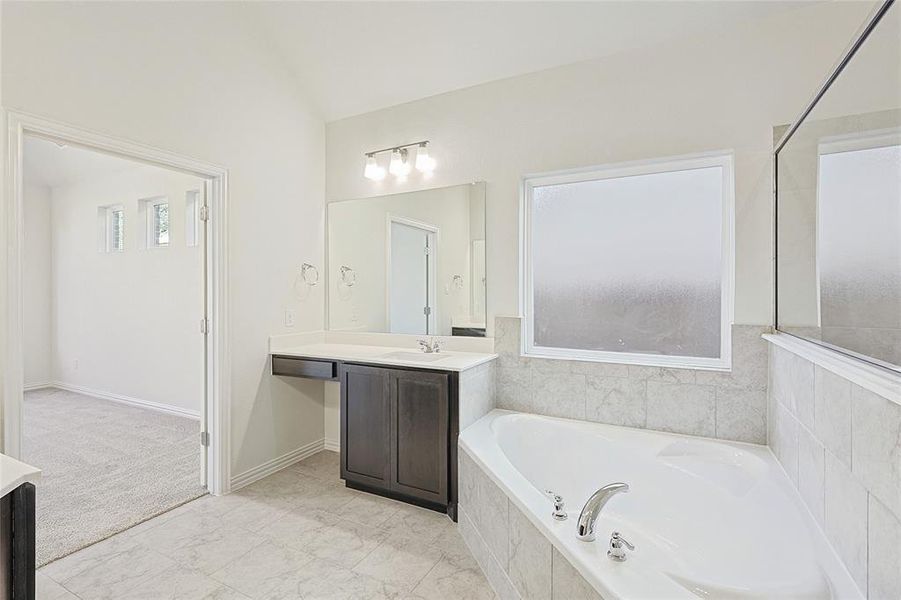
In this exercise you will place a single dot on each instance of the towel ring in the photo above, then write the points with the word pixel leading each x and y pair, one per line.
pixel 309 274
pixel 348 276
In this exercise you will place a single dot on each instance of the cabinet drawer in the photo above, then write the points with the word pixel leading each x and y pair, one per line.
pixel 304 367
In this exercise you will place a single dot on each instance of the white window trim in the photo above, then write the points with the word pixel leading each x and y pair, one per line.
pixel 105 224
pixel 147 205
pixel 722 159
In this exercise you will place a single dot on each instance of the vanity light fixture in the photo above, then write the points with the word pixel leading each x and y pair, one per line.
pixel 424 162
pixel 399 165
pixel 373 170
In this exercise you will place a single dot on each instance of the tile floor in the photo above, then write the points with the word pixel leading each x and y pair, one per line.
pixel 296 534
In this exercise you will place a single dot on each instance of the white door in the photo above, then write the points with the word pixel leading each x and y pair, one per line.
pixel 409 294
pixel 203 231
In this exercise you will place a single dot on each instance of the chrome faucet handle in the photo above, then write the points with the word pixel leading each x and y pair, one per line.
pixel 559 506
pixel 436 345
pixel 616 551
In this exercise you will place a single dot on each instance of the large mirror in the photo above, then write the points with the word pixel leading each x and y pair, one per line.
pixel 409 263
pixel 838 207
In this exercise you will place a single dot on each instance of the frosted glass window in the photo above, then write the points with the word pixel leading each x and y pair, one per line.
pixel 629 264
pixel 111 228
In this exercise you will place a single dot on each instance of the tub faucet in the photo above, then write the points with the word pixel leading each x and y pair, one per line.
pixel 592 509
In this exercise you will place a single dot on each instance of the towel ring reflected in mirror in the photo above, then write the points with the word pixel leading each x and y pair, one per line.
pixel 348 276
pixel 309 274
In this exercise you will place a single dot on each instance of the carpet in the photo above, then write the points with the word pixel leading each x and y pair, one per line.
pixel 106 467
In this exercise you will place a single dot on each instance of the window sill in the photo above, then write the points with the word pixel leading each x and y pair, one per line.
pixel 870 377
pixel 638 360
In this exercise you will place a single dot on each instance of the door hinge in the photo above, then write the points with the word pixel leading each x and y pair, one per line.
pixel 427 310
pixel 204 438
pixel 204 213
pixel 427 250
pixel 204 326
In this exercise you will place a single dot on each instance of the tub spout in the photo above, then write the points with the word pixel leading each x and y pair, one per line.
pixel 592 509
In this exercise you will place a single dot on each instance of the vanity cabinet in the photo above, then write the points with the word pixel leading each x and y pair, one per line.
pixel 397 429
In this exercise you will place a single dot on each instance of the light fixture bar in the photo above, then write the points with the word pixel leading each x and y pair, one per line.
pixel 399 147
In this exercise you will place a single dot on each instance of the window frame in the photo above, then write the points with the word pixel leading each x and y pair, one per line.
pixel 105 223
pixel 723 159
pixel 148 208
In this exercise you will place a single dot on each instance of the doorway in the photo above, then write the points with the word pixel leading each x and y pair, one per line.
pixel 412 255
pixel 133 340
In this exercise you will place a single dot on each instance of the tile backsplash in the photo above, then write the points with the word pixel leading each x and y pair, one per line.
pixel 726 405
pixel 841 446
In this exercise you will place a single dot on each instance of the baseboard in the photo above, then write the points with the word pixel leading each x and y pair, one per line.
pixel 172 410
pixel 37 386
pixel 276 464
pixel 333 445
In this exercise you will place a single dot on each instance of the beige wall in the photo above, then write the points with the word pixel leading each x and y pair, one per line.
pixel 37 290
pixel 125 323
pixel 189 78
pixel 723 90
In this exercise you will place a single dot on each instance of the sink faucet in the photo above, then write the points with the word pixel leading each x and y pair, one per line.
pixel 431 345
pixel 592 509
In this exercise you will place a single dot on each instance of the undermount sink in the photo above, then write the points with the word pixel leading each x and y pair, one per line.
pixel 414 356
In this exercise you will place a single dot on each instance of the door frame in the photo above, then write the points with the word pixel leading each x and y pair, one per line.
pixel 217 364
pixel 434 232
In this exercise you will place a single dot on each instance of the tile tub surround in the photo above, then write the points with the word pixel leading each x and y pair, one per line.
pixel 841 446
pixel 517 559
pixel 477 391
pixel 724 405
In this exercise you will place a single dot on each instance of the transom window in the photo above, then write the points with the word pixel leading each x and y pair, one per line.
pixel 631 263
pixel 156 217
pixel 111 225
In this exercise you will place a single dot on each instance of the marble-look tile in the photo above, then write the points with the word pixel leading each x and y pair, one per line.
pixel 341 584
pixel 477 393
pixel 323 465
pixel 47 589
pixel 616 401
pixel 368 509
pixel 175 582
pixel 682 408
pixel 793 384
pixel 514 388
pixel 741 415
pixel 876 445
pixel 495 575
pixel 116 548
pixel 812 474
pixel 117 572
pixel 492 517
pixel 846 518
pixel 420 524
pixel 467 481
pixel 600 369
pixel 211 550
pixel 291 528
pixel 662 374
pixel 568 584
pixel 269 568
pixel 345 543
pixel 785 440
pixel 559 394
pixel 832 416
pixel 330 496
pixel 455 577
pixel 884 568
pixel 507 331
pixel 530 558
pixel 400 562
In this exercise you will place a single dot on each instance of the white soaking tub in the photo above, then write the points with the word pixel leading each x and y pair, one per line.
pixel 709 519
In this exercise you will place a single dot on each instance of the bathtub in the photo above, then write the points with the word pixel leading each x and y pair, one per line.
pixel 709 519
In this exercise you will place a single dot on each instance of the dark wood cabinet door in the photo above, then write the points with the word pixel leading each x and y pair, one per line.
pixel 419 434
pixel 365 425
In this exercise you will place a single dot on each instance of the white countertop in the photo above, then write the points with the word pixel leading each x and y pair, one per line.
pixel 389 355
pixel 14 473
